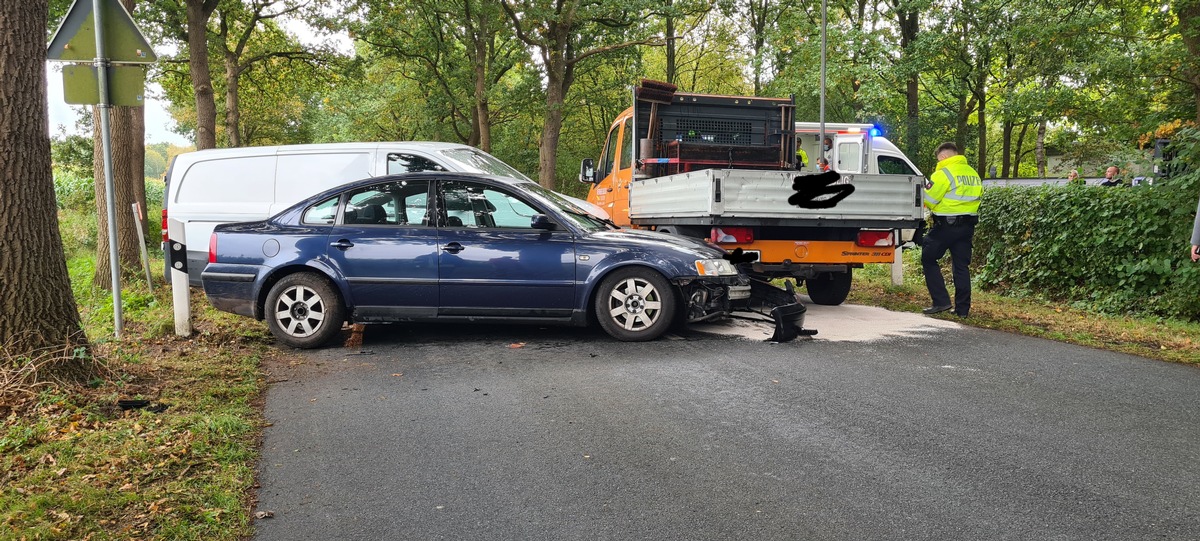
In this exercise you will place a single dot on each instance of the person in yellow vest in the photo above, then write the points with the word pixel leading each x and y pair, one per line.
pixel 952 195
pixel 801 158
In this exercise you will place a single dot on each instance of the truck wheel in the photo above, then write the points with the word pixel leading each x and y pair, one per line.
pixel 830 288
pixel 635 304
pixel 304 311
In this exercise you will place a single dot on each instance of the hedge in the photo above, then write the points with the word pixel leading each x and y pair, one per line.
pixel 1116 250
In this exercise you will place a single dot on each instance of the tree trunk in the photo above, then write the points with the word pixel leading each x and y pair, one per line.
pixel 981 129
pixel 1020 146
pixel 37 310
pixel 909 29
pixel 1188 12
pixel 128 169
pixel 670 31
pixel 1006 152
pixel 233 114
pixel 127 141
pixel 482 110
pixel 198 13
pixel 556 92
pixel 1041 149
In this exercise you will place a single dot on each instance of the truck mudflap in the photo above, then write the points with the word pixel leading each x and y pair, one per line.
pixel 781 306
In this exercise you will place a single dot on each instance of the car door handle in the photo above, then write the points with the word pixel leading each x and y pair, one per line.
pixel 342 244
pixel 453 248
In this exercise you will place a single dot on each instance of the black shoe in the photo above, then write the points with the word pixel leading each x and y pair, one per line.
pixel 935 309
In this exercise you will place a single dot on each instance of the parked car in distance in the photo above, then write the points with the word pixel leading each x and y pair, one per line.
pixel 459 247
pixel 210 187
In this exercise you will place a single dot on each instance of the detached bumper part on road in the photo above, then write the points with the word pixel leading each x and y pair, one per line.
pixel 785 310
pixel 708 298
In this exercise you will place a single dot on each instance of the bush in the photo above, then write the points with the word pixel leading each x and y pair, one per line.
pixel 1118 250
pixel 73 190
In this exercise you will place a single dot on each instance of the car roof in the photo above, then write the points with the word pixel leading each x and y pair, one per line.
pixel 427 146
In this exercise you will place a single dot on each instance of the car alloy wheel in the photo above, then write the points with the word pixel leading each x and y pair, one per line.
pixel 304 310
pixel 300 311
pixel 635 304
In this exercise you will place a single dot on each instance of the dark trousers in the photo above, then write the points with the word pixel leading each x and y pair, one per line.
pixel 956 238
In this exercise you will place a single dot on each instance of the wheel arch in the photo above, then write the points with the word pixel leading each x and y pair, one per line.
pixel 260 299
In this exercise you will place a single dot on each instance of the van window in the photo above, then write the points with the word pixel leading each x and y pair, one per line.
pixel 302 175
pixel 408 163
pixel 246 180
pixel 482 162
pixel 892 165
pixel 323 212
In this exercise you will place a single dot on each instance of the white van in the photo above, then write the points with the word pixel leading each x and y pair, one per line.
pixel 857 148
pixel 210 187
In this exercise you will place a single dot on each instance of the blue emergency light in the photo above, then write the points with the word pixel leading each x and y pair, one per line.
pixel 876 132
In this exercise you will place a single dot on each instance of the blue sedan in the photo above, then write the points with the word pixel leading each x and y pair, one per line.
pixel 460 247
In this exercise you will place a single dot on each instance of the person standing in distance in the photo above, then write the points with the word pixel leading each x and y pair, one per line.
pixel 1110 176
pixel 952 195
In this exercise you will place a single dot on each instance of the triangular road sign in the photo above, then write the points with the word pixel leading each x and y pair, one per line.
pixel 75 39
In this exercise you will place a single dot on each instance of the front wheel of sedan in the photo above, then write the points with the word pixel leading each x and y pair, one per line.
pixel 304 311
pixel 635 304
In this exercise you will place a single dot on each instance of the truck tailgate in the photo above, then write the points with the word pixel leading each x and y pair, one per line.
pixel 749 197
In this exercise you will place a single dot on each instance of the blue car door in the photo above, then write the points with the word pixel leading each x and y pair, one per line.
pixel 492 262
pixel 387 250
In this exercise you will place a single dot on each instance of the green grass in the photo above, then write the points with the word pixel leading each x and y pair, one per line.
pixel 75 466
pixel 1157 338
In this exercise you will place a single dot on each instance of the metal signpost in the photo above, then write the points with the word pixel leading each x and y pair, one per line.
pixel 103 33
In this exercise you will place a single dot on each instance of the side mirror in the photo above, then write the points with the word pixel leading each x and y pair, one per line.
pixel 587 171
pixel 541 221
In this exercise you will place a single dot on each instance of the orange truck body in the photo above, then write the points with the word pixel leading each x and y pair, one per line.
pixel 723 168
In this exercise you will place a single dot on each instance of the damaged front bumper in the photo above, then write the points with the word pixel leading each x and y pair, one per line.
pixel 710 298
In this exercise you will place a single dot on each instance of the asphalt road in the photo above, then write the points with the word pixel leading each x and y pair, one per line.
pixel 525 433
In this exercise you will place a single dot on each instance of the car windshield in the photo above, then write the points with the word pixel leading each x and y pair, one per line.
pixel 475 160
pixel 580 216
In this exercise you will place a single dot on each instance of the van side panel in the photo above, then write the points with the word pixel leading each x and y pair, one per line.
pixel 217 191
pixel 301 175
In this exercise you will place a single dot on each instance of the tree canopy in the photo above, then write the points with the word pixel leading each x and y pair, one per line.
pixel 537 83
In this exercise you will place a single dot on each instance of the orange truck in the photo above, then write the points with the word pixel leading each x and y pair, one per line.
pixel 723 168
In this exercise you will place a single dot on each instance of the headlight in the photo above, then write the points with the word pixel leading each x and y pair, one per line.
pixel 715 267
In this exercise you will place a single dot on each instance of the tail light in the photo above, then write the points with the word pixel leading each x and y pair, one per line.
pixel 868 237
pixel 212 248
pixel 165 233
pixel 732 235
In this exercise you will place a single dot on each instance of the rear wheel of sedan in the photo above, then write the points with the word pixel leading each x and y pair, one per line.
pixel 635 304
pixel 304 310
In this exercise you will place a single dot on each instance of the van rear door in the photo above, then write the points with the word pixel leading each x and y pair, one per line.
pixel 850 152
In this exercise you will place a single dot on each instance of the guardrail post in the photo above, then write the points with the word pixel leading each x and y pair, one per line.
pixel 180 294
pixel 898 267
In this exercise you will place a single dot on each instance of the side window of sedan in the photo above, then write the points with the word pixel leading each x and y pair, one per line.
pixel 324 212
pixel 476 205
pixel 394 203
